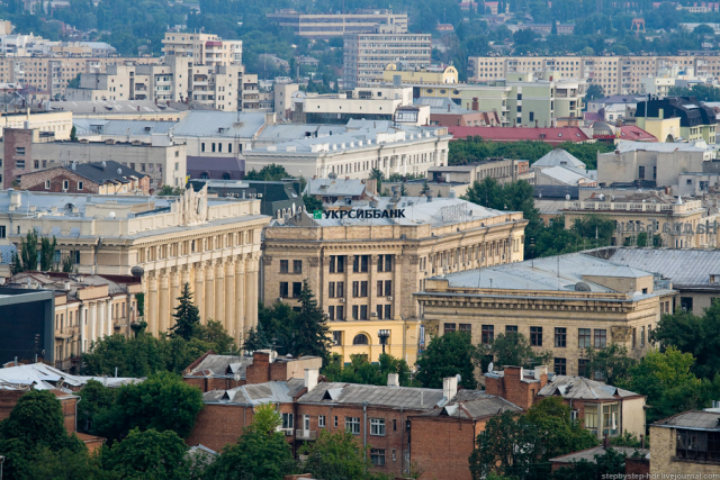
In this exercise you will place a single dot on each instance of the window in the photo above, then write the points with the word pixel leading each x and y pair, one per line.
pixel 321 421
pixel 360 263
pixel 511 329
pixel 450 327
pixel 66 184
pixel 686 303
pixel 582 367
pixel 355 289
pixel 355 311
pixel 297 266
pixel 337 264
pixel 80 185
pixel 377 456
pixel 611 419
pixel 560 337
pixel 363 289
pixel 377 426
pixel 340 312
pixel 384 263
pixel 352 425
pixel 336 422
pixel 331 289
pixel 642 336
pixel 20 164
pixel 297 288
pixel 331 312
pixel 641 173
pixel 600 338
pixel 340 289
pixel 536 336
pixel 388 311
pixel 3 231
pixel 361 339
pixel 488 334
pixel 560 365
pixel 379 311
pixel 363 312
pixel 337 337
pixel 532 116
pixel 283 289
pixel 47 184
pixel 591 420
pixel 288 421
pixel 584 338
pixel 465 327
pixel 20 151
pixel 283 266
pixel 388 288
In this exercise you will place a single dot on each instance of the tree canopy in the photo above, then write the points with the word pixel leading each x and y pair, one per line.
pixel 160 455
pixel 187 315
pixel 360 370
pixel 447 356
pixel 514 349
pixel 269 173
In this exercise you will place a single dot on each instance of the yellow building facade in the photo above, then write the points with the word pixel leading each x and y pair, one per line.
pixel 420 75
pixel 364 271
pixel 666 130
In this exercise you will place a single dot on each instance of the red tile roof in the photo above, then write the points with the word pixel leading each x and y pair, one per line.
pixel 636 134
pixel 518 134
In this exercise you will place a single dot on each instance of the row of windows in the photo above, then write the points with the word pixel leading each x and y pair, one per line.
pixel 587 337
pixel 361 263
pixel 360 312
pixel 218 147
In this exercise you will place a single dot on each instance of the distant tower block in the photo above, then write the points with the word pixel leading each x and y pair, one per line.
pixel 638 24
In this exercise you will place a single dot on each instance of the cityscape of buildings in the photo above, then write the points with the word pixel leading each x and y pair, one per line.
pixel 564 205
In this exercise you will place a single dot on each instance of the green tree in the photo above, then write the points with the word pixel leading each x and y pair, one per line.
pixel 170 191
pixel 187 315
pixel 256 339
pixel 269 173
pixel 160 455
pixel 594 92
pixel 27 258
pixel 73 134
pixel 214 333
pixel 97 400
pixel 513 349
pixel 161 402
pixel 446 356
pixel 610 364
pixel 63 465
pixel 261 452
pixel 377 174
pixel 336 456
pixel 360 370
pixel 67 264
pixel 611 464
pixel 74 82
pixel 312 203
pixel 310 327
pixel 47 253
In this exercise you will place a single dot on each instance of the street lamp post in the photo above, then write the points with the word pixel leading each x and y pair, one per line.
pixel 384 334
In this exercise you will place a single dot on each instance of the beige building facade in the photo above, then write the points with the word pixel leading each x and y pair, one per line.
pixel 617 75
pixel 57 122
pixel 211 244
pixel 337 24
pixel 562 305
pixel 364 271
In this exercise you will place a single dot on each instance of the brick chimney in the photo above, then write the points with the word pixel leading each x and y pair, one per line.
pixel 475 104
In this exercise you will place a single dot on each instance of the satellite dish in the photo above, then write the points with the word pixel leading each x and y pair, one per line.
pixel 137 271
pixel 582 287
pixel 112 214
pixel 490 367
pixel 119 171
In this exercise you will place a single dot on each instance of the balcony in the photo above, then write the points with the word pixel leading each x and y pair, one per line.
pixel 305 434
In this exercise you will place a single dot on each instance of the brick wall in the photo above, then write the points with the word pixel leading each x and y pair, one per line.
pixel 511 388
pixel 208 384
pixel 637 468
pixel 259 371
pixel 14 138
pixel 35 181
pixel 8 400
pixel 219 425
pixel 441 446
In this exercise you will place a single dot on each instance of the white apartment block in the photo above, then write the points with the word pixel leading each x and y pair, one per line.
pixel 196 68
pixel 336 25
pixel 366 55
pixel 618 75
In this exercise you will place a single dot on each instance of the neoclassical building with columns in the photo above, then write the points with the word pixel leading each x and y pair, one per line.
pixel 364 260
pixel 210 243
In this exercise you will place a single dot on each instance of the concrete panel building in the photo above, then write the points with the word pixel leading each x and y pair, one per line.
pixel 366 55
pixel 313 25
pixel 560 304
pixel 212 244
pixel 364 271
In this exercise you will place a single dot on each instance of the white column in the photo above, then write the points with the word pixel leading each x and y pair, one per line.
pixel 200 288
pixel 209 293
pixel 249 300
pixel 239 299
pixel 229 320
pixel 151 314
pixel 93 322
pixel 220 291
pixel 164 302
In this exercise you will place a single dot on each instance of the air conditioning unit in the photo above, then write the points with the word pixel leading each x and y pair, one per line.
pixel 342 300
pixel 389 299
pixel 373 314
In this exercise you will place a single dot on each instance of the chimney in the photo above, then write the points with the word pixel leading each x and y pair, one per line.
pixel 311 378
pixel 393 380
pixel 475 104
pixel 269 119
pixel 450 387
pixel 448 106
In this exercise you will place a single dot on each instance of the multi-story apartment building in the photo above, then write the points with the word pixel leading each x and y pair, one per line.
pixel 196 68
pixel 370 103
pixel 531 99
pixel 366 55
pixel 27 150
pixel 562 305
pixel 337 24
pixel 52 73
pixel 209 243
pixel 203 48
pixel 364 261
pixel 617 75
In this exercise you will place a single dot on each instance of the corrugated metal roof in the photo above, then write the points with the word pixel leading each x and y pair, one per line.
pixel 473 404
pixel 682 267
pixel 328 187
pixel 693 419
pixel 580 388
pixel 590 454
pixel 219 124
pixel 91 126
pixel 257 394
pixel 221 366
pixel 558 157
pixel 393 397
pixel 565 175
pixel 627 146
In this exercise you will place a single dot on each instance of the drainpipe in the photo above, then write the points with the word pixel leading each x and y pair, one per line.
pixel 365 404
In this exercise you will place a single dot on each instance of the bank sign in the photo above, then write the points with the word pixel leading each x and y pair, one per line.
pixel 359 213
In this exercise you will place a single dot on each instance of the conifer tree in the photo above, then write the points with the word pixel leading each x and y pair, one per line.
pixel 187 315
pixel 311 330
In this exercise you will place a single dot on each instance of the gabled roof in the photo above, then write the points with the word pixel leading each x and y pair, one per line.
pixel 103 172
pixel 558 157
pixel 472 405
pixel 257 393
pixel 580 388
pixel 336 393
pixel 567 176
pixel 220 366
pixel 693 420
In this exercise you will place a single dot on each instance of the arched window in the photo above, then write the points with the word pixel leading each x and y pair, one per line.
pixel 361 339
